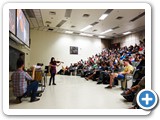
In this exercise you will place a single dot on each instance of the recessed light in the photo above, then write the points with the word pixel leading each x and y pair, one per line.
pixel 85 34
pixel 106 31
pixel 126 33
pixel 103 16
pixel 70 32
pixel 101 36
pixel 87 27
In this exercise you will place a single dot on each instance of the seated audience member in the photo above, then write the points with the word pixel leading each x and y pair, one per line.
pixel 137 58
pixel 87 70
pixel 66 72
pixel 131 59
pixel 123 56
pixel 40 64
pixel 140 71
pixel 20 88
pixel 96 72
pixel 72 69
pixel 142 62
pixel 104 75
pixel 121 75
pixel 79 68
pixel 61 71
pixel 136 89
pixel 21 57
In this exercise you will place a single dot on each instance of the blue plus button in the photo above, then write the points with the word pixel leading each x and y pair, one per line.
pixel 147 99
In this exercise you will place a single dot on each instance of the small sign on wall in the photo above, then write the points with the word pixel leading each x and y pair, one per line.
pixel 73 50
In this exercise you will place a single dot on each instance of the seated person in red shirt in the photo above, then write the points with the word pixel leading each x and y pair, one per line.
pixel 20 87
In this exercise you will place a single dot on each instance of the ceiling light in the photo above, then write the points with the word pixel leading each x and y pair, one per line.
pixel 103 16
pixel 70 32
pixel 126 33
pixel 101 36
pixel 89 26
pixel 84 34
pixel 106 31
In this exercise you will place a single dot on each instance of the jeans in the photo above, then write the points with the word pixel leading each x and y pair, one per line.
pixel 52 77
pixel 104 77
pixel 32 88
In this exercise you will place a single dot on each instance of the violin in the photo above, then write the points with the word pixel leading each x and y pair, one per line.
pixel 59 62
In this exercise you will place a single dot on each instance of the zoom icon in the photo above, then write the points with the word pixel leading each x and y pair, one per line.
pixel 147 99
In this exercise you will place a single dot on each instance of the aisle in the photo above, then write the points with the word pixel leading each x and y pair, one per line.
pixel 73 92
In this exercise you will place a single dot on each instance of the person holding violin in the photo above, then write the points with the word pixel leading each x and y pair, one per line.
pixel 53 65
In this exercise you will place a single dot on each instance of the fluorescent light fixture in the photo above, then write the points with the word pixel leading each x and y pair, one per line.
pixel 101 36
pixel 89 26
pixel 103 16
pixel 126 33
pixel 106 31
pixel 84 34
pixel 70 32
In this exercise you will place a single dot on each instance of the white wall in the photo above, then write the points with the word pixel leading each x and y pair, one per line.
pixel 130 39
pixel 44 45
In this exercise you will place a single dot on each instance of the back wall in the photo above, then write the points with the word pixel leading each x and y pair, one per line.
pixel 130 39
pixel 44 45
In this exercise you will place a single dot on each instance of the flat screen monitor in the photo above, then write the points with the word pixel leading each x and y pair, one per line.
pixel 22 27
pixel 12 21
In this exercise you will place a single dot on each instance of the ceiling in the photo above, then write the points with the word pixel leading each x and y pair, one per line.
pixel 61 20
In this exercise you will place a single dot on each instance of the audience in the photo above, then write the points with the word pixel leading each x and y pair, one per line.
pixel 110 65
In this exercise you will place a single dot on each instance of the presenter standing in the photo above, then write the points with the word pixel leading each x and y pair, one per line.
pixel 53 64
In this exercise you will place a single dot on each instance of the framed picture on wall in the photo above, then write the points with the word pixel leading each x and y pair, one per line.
pixel 73 50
